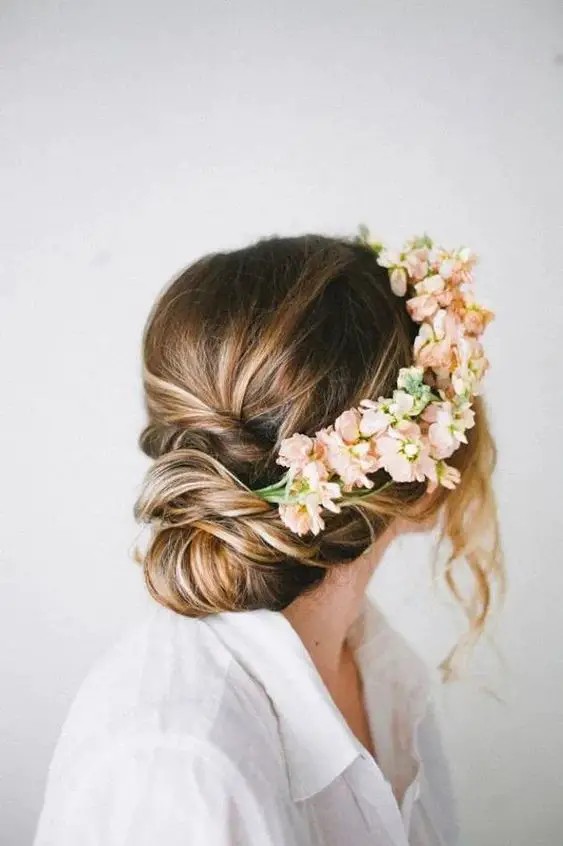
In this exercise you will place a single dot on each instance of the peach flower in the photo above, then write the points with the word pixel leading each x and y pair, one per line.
pixel 434 342
pixel 377 416
pixel 416 263
pixel 301 519
pixel 348 426
pixel 397 272
pixel 457 267
pixel 447 426
pixel 432 293
pixel 296 451
pixel 350 461
pixel 405 455
pixel 474 317
pixel 444 475
pixel 312 492
pixel 467 377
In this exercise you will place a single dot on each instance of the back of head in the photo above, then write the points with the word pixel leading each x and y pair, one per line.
pixel 242 350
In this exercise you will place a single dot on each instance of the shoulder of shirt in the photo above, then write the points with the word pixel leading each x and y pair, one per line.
pixel 169 682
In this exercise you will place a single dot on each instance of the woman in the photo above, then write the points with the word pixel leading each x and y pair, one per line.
pixel 301 414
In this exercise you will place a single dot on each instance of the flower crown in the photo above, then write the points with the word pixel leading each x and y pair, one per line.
pixel 411 433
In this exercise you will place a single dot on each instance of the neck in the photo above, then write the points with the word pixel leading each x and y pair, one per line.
pixel 323 616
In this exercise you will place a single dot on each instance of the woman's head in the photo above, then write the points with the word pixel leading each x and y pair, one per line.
pixel 244 349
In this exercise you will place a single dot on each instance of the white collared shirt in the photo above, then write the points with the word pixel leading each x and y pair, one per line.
pixel 220 731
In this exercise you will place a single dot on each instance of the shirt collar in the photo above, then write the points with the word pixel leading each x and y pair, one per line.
pixel 382 652
pixel 317 741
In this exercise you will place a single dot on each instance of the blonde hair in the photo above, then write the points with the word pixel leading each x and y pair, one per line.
pixel 242 350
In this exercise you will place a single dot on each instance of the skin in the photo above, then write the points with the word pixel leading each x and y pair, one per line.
pixel 322 619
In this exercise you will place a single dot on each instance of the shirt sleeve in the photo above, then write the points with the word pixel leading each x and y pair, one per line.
pixel 171 795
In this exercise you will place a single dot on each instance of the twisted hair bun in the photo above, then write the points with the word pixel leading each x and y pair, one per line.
pixel 216 545
pixel 240 351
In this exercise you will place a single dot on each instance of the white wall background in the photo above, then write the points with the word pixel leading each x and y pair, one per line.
pixel 135 137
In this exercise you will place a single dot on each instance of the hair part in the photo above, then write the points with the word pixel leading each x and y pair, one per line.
pixel 242 350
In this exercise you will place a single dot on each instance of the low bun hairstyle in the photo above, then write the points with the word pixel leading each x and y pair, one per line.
pixel 242 350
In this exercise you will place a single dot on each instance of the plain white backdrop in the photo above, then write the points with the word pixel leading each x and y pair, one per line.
pixel 137 136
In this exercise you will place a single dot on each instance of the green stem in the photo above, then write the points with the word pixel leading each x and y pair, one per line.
pixel 279 498
pixel 272 494
pixel 281 483
pixel 372 491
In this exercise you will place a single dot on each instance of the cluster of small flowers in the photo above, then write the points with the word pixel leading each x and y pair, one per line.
pixel 411 434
